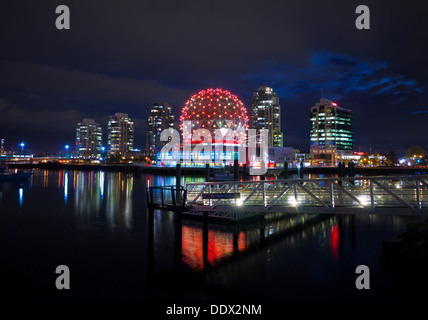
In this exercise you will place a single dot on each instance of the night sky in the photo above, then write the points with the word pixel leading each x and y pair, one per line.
pixel 122 56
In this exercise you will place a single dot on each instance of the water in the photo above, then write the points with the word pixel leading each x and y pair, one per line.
pixel 96 223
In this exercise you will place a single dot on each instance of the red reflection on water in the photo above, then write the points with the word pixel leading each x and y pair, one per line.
pixel 242 245
pixel 334 240
pixel 192 250
pixel 220 245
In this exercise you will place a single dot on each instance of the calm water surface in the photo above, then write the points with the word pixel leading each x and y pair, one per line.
pixel 96 223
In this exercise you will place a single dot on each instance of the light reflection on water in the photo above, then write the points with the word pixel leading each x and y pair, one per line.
pixel 225 241
pixel 21 196
pixel 279 249
pixel 94 197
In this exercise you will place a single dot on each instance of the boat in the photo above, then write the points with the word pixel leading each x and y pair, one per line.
pixel 12 176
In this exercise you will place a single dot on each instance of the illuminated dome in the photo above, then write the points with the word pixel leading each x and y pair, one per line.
pixel 215 109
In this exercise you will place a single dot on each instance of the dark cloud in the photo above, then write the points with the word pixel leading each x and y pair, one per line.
pixel 419 111
pixel 121 56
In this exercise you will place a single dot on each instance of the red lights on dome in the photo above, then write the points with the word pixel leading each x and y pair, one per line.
pixel 208 100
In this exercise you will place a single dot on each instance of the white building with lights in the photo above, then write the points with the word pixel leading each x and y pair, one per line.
pixel 88 139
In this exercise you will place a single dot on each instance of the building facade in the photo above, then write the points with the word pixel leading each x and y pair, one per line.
pixel 2 146
pixel 331 133
pixel 120 135
pixel 88 139
pixel 266 114
pixel 160 118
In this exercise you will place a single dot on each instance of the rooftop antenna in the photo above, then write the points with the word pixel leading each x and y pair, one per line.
pixel 322 93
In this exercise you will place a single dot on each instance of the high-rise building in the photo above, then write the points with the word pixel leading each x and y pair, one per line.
pixel 120 134
pixel 2 146
pixel 266 114
pixel 88 139
pixel 331 133
pixel 160 118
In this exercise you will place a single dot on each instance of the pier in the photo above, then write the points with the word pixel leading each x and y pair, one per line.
pixel 238 200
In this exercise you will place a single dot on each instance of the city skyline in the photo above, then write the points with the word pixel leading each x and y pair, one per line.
pixel 52 79
pixel 104 140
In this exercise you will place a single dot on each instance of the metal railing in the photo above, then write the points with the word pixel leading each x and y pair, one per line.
pixel 166 197
pixel 325 195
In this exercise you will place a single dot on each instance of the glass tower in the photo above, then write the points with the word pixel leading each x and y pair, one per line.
pixel 331 133
pixel 88 139
pixel 160 118
pixel 120 134
pixel 266 114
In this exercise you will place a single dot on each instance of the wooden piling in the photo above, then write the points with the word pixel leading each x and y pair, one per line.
pixel 285 170
pixel 178 181
pixel 207 172
pixel 301 170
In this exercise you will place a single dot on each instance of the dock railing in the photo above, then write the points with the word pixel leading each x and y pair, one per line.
pixel 166 197
pixel 395 194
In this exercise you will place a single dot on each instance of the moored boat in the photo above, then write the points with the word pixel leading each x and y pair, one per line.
pixel 12 176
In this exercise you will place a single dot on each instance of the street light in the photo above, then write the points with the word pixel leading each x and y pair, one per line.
pixel 66 149
pixel 22 144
